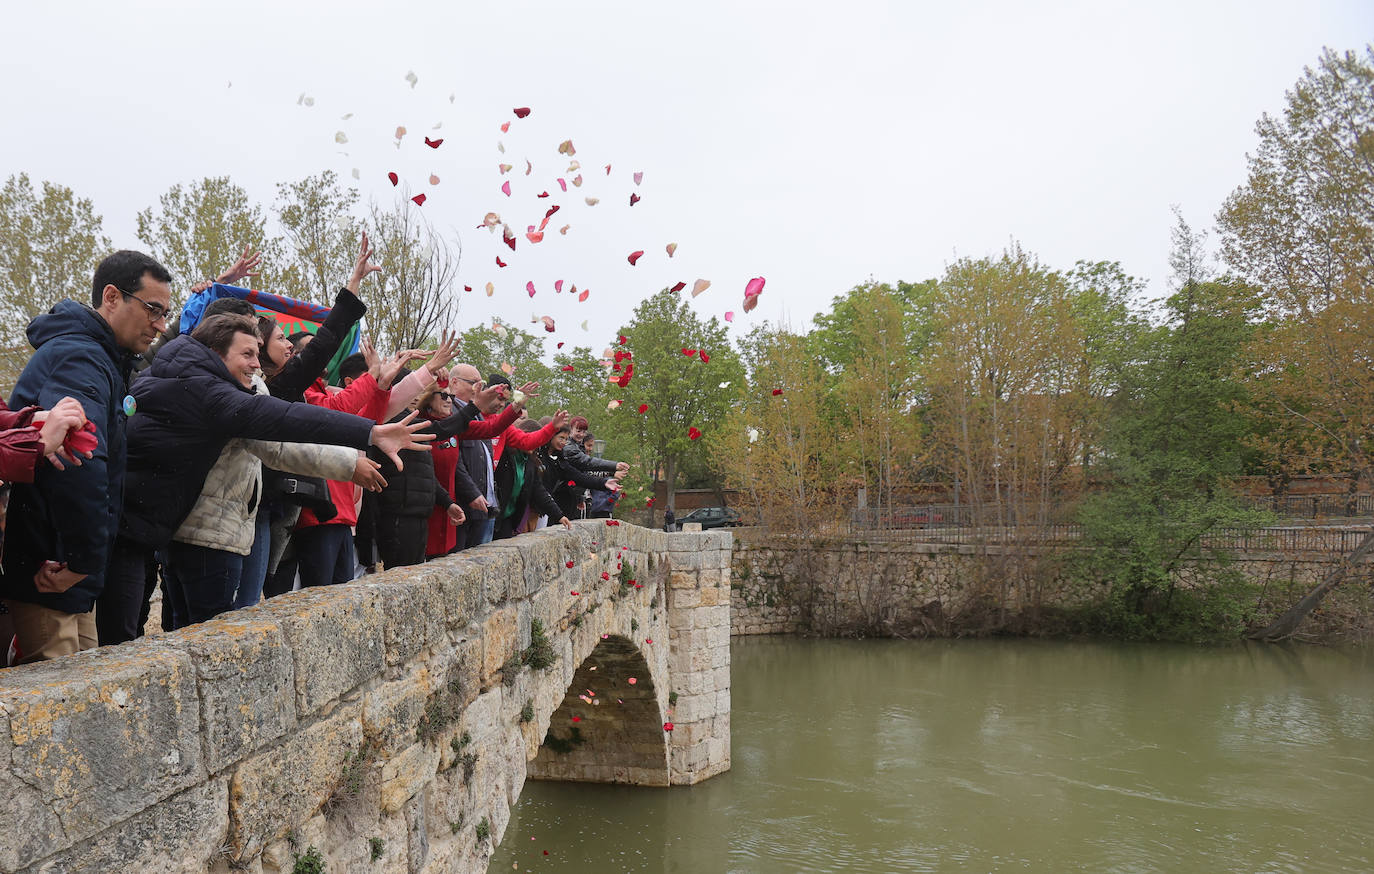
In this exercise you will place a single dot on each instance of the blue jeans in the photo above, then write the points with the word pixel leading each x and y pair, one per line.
pixel 325 554
pixel 200 582
pixel 255 563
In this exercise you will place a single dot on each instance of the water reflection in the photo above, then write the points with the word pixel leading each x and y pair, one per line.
pixel 885 756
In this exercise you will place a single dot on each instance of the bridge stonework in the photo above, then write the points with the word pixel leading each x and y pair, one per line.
pixel 387 725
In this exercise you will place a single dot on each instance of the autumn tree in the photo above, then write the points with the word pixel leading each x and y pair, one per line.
pixel 1302 228
pixel 52 244
pixel 197 230
pixel 504 349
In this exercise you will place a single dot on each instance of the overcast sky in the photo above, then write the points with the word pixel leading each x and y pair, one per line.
pixel 815 145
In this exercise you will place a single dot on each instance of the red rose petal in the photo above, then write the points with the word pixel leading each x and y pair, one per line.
pixel 577 719
pixel 529 286
pixel 505 188
pixel 505 127
pixel 569 564
pixel 622 339
pixel 679 287
pixel 434 144
pixel 542 194
pixel 776 392
pixel 394 178
pixel 705 358
pixel 605 576
pixel 644 408
pixel 521 111
pixel 575 593
pixel 584 295
pixel 667 726
pixel 635 256
pixel 559 346
pixel 693 433
pixel 419 199
pixel 558 285
pixel 499 262
pixel 567 368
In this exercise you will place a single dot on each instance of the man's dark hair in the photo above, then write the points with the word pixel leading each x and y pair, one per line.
pixel 528 425
pixel 297 337
pixel 498 379
pixel 353 366
pixel 229 306
pixel 218 332
pixel 125 270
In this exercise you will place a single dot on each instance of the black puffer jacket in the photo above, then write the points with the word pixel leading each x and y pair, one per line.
pixel 413 490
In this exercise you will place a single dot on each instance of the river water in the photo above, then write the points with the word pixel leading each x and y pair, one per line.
pixel 894 756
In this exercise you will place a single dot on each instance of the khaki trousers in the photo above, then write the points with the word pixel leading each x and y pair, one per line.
pixel 45 633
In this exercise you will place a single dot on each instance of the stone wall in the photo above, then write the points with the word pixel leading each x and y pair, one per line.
pixel 385 725
pixel 850 587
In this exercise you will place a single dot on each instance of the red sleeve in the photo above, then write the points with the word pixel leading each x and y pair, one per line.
pixel 483 429
pixel 20 451
pixel 361 397
pixel 530 440
pixel 14 418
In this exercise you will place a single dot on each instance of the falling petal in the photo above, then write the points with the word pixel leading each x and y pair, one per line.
pixel 434 144
pixel 699 286
pixel 639 177
pixel 559 346
pixel 452 95
pixel 566 148
pixel 611 406
pixel 508 237
pixel 643 408
pixel 608 169
pixel 564 230
pixel 705 358
pixel 584 323
pixel 529 286
pixel 679 287
pixel 558 285
pixel 499 262
pixel 562 184
pixel 412 78
pixel 635 198
pixel 725 384
pixel 346 116
pixel 505 127
pixel 491 220
pixel 753 435
pixel 400 131
pixel 534 236
pixel 498 329
pixel 729 315
pixel 504 168
pixel 593 201
pixel 309 101
pixel 672 247
pixel 433 180
pixel 501 147
pixel 581 298
pixel 419 199
pixel 340 137
pixel 752 292
pixel 751 302
pixel 567 368
pixel 635 256
pixel 529 168
pixel 467 288
pixel 574 166
pixel 690 353
pixel 577 181
pixel 505 188
pixel 693 433
pixel 548 323
pixel 521 111
pixel 357 174
pixel 437 125
pixel 507 368
pixel 394 178
pixel 491 289
pixel 632 681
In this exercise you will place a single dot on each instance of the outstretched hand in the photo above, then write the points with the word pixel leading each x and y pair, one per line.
pixel 393 438
pixel 444 355
pixel 246 266
pixel 393 368
pixel 368 474
pixel 485 397
pixel 560 419
pixel 363 266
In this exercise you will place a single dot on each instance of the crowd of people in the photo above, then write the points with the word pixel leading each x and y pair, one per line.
pixel 218 465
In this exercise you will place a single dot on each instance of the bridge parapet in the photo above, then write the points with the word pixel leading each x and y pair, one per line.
pixel 404 708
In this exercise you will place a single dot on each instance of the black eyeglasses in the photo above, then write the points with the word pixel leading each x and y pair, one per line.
pixel 446 396
pixel 155 311
pixel 468 381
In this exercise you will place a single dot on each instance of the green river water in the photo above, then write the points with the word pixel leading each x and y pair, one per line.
pixel 895 756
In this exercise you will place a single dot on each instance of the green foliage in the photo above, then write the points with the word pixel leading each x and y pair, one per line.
pixel 199 230
pixel 540 654
pixel 672 699
pixel 442 709
pixel 487 350
pixel 456 743
pixel 309 863
pixel 482 830
pixel 527 712
pixel 469 763
pixel 565 745
pixel 376 847
pixel 320 237
pixel 454 825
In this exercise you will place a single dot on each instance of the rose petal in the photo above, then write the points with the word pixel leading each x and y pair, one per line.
pixel 491 289
pixel 632 681
pixel 434 144
pixel 529 286
pixel 562 184
pixel 705 358
pixel 394 178
pixel 593 201
pixel 729 316
pixel 504 168
pixel 776 392
pixel 635 256
pixel 582 298
pixel 499 262
pixel 671 247
pixel 505 188
pixel 566 148
pixel 548 323
pixel 433 179
pixel 584 321
pixel 400 131
pixel 521 111
pixel 419 199
pixel 567 368
pixel 679 287
pixel 564 230
pixel 608 169
pixel 505 127
pixel 639 177
pixel 643 408
pixel 557 285
pixel 412 78
pixel 507 368
pixel 699 286
pixel 693 433
pixel 340 137
pixel 635 198
pixel 667 726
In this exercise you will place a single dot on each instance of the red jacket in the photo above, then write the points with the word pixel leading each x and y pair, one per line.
pixel 20 446
pixel 361 397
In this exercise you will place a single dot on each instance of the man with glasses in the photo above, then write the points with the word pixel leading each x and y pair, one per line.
pixel 61 526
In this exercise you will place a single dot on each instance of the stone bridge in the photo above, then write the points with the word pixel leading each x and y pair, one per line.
pixel 383 726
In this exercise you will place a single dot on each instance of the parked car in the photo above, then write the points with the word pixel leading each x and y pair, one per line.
pixel 711 517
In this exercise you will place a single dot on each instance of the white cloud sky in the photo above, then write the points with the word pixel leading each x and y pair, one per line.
pixel 816 145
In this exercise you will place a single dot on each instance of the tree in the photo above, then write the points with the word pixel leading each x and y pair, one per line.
pixel 320 236
pixel 413 300
pixel 509 349
pixel 681 392
pixel 52 244
pixel 1302 227
pixel 197 231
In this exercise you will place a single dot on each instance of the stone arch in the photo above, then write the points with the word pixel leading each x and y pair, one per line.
pixel 609 726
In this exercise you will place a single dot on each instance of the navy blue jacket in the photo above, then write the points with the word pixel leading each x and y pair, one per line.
pixel 189 407
pixel 69 515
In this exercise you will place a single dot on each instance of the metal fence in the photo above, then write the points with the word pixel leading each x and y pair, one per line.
pixel 961 526
pixel 1313 506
